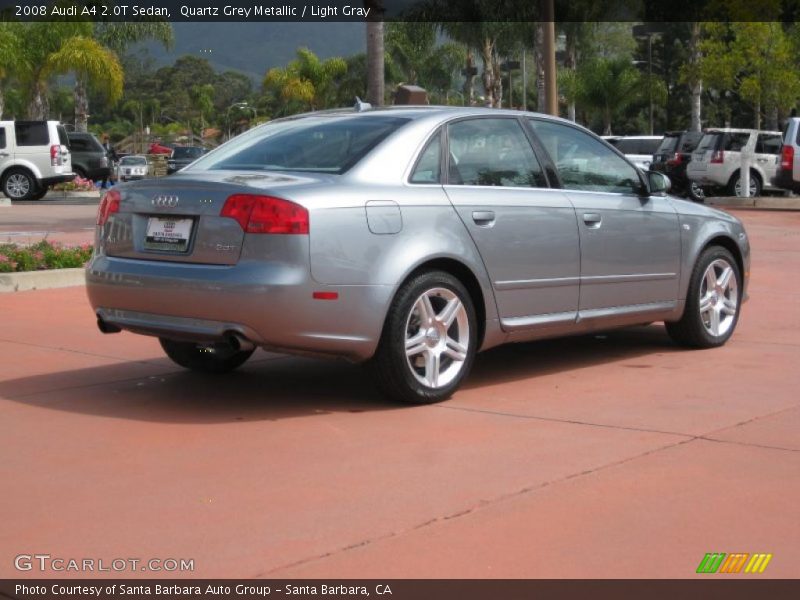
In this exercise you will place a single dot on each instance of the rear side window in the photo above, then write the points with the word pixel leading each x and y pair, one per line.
pixel 734 142
pixel 313 144
pixel 32 133
pixel 429 166
pixel 710 141
pixel 63 138
pixel 627 146
pixel 689 142
pixel 492 152
pixel 648 146
pixel 2 137
pixel 768 143
pixel 79 144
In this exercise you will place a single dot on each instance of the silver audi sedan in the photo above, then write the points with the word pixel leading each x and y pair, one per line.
pixel 409 238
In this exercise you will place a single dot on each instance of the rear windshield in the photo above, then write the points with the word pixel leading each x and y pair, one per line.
pixel 324 144
pixel 709 142
pixel 668 144
pixel 187 152
pixel 32 133
pixel 689 141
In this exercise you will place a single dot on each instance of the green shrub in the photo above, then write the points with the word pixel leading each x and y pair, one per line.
pixel 42 256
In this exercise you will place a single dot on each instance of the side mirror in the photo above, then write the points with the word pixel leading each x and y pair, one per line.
pixel 658 183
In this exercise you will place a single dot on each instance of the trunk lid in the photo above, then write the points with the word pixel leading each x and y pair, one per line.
pixel 177 218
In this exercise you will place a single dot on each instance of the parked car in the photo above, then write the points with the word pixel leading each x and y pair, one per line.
pixel 716 162
pixel 89 158
pixel 132 167
pixel 409 239
pixel 33 156
pixel 672 157
pixel 638 148
pixel 787 176
pixel 183 156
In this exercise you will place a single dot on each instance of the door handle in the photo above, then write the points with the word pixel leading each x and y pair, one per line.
pixel 4 154
pixel 593 220
pixel 484 218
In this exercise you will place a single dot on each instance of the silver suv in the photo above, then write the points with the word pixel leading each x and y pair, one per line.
pixel 33 156
pixel 788 173
pixel 716 161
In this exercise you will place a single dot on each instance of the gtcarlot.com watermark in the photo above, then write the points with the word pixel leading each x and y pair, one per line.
pixel 45 563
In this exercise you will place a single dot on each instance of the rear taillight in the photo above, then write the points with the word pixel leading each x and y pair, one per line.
pixel 676 159
pixel 717 157
pixel 787 158
pixel 266 214
pixel 55 155
pixel 109 205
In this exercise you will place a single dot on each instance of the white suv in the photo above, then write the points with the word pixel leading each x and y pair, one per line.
pixel 788 174
pixel 33 156
pixel 717 160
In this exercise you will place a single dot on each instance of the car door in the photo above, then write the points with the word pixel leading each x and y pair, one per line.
pixel 630 243
pixel 526 233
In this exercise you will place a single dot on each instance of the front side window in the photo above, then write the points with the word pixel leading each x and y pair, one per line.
pixel 492 152
pixel 324 144
pixel 584 162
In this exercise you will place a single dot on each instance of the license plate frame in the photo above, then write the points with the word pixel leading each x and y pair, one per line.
pixel 168 234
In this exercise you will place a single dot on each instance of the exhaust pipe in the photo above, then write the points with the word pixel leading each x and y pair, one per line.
pixel 107 327
pixel 240 343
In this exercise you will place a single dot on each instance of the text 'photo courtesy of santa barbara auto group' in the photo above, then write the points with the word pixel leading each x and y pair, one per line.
pixel 404 299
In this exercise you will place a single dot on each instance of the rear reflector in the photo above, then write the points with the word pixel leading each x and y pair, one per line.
pixel 326 295
pixel 108 206
pixel 55 155
pixel 266 214
pixel 787 158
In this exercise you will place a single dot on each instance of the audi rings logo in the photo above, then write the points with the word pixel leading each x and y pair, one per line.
pixel 165 201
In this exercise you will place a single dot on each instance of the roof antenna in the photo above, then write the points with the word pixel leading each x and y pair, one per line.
pixel 361 106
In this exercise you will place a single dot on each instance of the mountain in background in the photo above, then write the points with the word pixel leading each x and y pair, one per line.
pixel 252 48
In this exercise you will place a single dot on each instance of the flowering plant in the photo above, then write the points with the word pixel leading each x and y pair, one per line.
pixel 41 256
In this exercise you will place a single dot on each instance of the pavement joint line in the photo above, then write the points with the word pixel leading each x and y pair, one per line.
pixel 461 513
pixel 748 444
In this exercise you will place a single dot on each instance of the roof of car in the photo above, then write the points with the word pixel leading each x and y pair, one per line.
pixel 736 130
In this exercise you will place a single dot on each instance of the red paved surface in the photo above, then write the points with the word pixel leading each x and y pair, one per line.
pixel 612 456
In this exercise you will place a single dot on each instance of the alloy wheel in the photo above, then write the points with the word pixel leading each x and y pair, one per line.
pixel 719 298
pixel 18 185
pixel 437 337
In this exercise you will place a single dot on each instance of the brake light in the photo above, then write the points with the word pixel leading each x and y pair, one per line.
pixel 787 157
pixel 55 155
pixel 675 160
pixel 266 214
pixel 109 205
pixel 717 157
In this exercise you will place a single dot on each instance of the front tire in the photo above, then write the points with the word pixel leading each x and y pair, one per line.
pixel 695 192
pixel 429 340
pixel 713 301
pixel 218 357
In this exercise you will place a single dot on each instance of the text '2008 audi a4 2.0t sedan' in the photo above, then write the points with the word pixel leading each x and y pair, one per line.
pixel 409 239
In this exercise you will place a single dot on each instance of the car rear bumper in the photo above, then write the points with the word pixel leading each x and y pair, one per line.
pixel 783 179
pixel 47 181
pixel 271 305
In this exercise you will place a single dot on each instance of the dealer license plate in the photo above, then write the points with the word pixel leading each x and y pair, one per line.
pixel 164 233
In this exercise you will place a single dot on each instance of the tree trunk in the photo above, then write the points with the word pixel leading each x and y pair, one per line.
pixel 375 63
pixel 772 118
pixel 695 82
pixel 2 102
pixel 81 105
pixel 607 121
pixel 39 108
pixel 757 110
pixel 487 52
pixel 571 63
pixel 538 53
pixel 469 82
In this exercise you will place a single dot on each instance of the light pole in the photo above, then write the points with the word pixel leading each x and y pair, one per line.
pixel 641 32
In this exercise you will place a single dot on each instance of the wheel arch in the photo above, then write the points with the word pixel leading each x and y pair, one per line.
pixel 730 245
pixel 25 165
pixel 754 170
pixel 466 276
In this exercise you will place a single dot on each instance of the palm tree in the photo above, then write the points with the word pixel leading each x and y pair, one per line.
pixel 375 52
pixel 609 86
pixel 307 80
pixel 91 63
pixel 9 55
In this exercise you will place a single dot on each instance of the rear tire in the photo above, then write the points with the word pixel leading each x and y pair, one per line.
pixel 219 357
pixel 41 193
pixel 755 185
pixel 429 340
pixel 713 301
pixel 19 184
